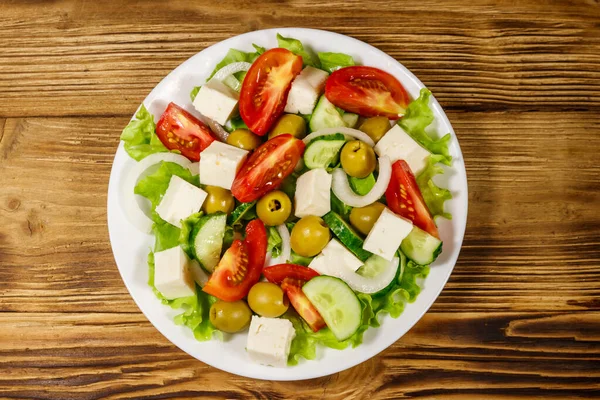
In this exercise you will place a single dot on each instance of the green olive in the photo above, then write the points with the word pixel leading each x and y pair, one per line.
pixel 267 300
pixel 363 218
pixel 218 200
pixel 375 127
pixel 230 316
pixel 244 139
pixel 358 159
pixel 309 236
pixel 274 208
pixel 289 123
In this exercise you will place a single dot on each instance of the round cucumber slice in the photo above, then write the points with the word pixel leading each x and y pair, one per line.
pixel 337 304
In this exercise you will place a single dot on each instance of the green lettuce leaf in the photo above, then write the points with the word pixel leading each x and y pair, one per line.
pixel 166 235
pixel 433 195
pixel 274 242
pixel 296 47
pixel 194 92
pixel 419 116
pixel 234 55
pixel 195 308
pixel 362 186
pixel 295 258
pixel 154 186
pixel 333 61
pixel 139 136
pixel 236 123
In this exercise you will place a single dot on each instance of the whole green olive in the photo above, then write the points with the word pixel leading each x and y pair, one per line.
pixel 244 139
pixel 309 236
pixel 358 159
pixel 231 316
pixel 289 123
pixel 274 208
pixel 375 127
pixel 363 218
pixel 218 200
pixel 267 300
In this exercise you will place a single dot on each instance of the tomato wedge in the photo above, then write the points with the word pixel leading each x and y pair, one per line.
pixel 265 88
pixel 308 312
pixel 404 197
pixel 241 265
pixel 267 167
pixel 367 91
pixel 179 130
pixel 277 273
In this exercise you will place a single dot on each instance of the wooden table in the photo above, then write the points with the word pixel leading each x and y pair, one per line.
pixel 520 81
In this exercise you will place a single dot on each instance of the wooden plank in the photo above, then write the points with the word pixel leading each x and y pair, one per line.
pixel 532 241
pixel 115 355
pixel 87 59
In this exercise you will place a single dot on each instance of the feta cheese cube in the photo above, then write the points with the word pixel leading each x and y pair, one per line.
pixel 305 91
pixel 334 257
pixel 398 145
pixel 387 234
pixel 172 276
pixel 313 193
pixel 269 340
pixel 181 200
pixel 219 163
pixel 216 101
pixel 339 255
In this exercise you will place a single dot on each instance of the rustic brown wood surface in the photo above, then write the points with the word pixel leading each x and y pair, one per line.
pixel 520 316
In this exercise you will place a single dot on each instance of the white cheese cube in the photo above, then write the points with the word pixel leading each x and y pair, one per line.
pixel 333 258
pixel 216 101
pixel 387 234
pixel 339 256
pixel 219 163
pixel 398 145
pixel 172 276
pixel 313 193
pixel 320 264
pixel 306 89
pixel 181 200
pixel 269 340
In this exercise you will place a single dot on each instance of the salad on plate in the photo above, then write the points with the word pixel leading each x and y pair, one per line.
pixel 292 200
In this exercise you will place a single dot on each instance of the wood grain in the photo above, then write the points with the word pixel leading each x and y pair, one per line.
pixel 520 316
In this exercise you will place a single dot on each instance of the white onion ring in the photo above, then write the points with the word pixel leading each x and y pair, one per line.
pixel 344 192
pixel 355 133
pixel 286 248
pixel 231 69
pixel 214 126
pixel 132 208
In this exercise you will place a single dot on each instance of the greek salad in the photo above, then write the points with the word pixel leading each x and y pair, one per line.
pixel 291 200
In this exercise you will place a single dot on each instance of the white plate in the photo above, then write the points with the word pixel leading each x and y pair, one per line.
pixel 130 247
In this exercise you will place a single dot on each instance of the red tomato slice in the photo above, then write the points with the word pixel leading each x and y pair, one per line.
pixel 367 91
pixel 267 167
pixel 265 88
pixel 277 273
pixel 404 197
pixel 179 130
pixel 301 303
pixel 241 265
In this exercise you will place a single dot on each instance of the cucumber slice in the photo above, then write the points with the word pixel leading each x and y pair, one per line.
pixel 350 119
pixel 324 151
pixel 325 115
pixel 380 275
pixel 337 304
pixel 239 212
pixel 348 236
pixel 207 237
pixel 421 247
